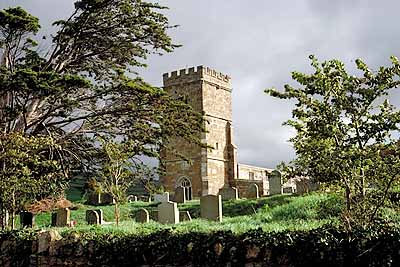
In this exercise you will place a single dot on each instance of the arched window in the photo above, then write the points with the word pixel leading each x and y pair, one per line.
pixel 187 184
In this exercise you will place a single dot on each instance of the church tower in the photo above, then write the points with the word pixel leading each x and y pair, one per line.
pixel 210 93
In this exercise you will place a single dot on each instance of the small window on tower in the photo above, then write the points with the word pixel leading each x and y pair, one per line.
pixel 216 146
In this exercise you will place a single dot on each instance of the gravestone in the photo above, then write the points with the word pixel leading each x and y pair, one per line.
pixel 184 216
pixel 142 216
pixel 101 216
pixel 131 198
pixel 94 199
pixel 288 190
pixel 302 186
pixel 107 199
pixel 228 193
pixel 160 198
pixel 63 217
pixel 252 191
pixel 168 212
pixel 180 195
pixel 4 219
pixel 275 183
pixel 211 208
pixel 92 217
pixel 27 219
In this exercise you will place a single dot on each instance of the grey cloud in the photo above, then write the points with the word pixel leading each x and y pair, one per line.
pixel 258 43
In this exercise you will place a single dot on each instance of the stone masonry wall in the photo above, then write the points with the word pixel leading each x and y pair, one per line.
pixel 207 91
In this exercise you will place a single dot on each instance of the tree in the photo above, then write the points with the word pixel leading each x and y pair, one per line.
pixel 30 170
pixel 345 126
pixel 85 84
pixel 118 172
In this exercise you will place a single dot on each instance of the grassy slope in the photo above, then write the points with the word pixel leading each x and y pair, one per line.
pixel 275 213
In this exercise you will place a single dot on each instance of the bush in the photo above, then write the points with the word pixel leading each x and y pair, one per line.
pixel 325 246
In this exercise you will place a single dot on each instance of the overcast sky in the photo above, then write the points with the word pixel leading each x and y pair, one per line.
pixel 258 43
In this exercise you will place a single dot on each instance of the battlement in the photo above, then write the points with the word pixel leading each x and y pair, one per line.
pixel 195 74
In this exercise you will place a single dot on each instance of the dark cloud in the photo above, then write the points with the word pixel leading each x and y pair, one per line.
pixel 258 43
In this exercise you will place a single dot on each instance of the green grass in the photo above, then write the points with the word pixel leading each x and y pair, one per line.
pixel 275 213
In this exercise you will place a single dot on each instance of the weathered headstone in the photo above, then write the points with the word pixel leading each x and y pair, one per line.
pixel 131 198
pixel 180 195
pixel 142 216
pixel 275 183
pixel 92 217
pixel 160 198
pixel 228 193
pixel 168 212
pixel 94 199
pixel 211 208
pixel 62 218
pixel 252 191
pixel 288 190
pixel 184 216
pixel 27 219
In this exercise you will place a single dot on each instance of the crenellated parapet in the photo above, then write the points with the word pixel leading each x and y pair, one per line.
pixel 194 74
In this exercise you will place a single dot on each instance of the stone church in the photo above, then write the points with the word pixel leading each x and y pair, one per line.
pixel 209 92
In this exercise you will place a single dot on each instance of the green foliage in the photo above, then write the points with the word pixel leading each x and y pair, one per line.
pixel 323 246
pixel 344 127
pixel 79 90
pixel 30 170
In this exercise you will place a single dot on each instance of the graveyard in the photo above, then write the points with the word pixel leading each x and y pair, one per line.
pixel 275 213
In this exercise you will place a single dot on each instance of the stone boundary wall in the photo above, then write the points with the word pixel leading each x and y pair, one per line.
pixel 318 247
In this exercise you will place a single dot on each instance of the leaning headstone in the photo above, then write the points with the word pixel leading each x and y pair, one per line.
pixel 160 198
pixel 168 212
pixel 211 208
pixel 180 195
pixel 252 191
pixel 27 219
pixel 142 216
pixel 228 193
pixel 94 199
pixel 184 216
pixel 275 183
pixel 63 217
pixel 92 217
pixel 131 198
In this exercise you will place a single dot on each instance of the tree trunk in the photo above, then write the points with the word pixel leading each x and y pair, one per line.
pixel 116 213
